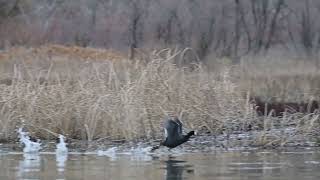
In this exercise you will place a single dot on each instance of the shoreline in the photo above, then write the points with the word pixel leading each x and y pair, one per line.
pixel 275 139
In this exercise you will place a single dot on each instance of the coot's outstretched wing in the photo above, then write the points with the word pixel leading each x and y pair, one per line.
pixel 171 129
pixel 179 123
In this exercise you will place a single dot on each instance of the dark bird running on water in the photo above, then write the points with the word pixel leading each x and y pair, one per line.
pixel 173 134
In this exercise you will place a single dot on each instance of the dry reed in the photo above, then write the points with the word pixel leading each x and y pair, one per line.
pixel 125 99
pixel 116 100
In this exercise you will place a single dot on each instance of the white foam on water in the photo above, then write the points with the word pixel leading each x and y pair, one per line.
pixel 141 157
pixel 140 153
pixel 298 152
pixel 312 162
pixel 255 163
pixel 111 153
pixel 136 153
pixel 254 168
pixel 29 146
pixel 140 150
pixel 61 147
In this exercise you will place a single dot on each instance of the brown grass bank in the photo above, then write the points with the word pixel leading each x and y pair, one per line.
pixel 90 99
pixel 108 99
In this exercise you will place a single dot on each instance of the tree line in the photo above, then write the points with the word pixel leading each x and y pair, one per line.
pixel 228 28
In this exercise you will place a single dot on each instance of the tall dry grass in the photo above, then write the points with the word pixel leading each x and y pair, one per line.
pixel 280 79
pixel 283 80
pixel 123 99
pixel 116 99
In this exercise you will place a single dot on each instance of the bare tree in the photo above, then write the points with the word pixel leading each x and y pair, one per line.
pixel 306 29
pixel 273 24
pixel 237 29
pixel 230 28
pixel 134 26
pixel 206 39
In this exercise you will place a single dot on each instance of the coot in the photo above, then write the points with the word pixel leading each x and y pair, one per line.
pixel 173 134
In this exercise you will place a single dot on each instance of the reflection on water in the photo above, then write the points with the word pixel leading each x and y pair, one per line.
pixel 61 161
pixel 30 164
pixel 176 168
pixel 171 166
pixel 33 165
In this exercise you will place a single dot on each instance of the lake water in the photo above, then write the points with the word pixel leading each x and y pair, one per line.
pixel 293 165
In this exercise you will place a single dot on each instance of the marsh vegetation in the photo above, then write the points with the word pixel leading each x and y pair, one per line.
pixel 103 71
pixel 121 99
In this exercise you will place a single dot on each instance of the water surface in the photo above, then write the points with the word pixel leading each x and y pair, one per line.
pixel 293 165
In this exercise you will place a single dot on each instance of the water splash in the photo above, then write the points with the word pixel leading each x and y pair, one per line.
pixel 140 150
pixel 29 146
pixel 61 147
pixel 140 153
pixel 312 162
pixel 111 153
